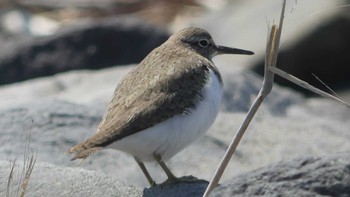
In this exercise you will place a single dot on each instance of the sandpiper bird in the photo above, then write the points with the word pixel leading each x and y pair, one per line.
pixel 165 103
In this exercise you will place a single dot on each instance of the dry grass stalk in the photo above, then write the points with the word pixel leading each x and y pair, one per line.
pixel 28 172
pixel 10 180
pixel 306 85
pixel 29 160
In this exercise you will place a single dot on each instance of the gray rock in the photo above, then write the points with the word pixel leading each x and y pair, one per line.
pixel 50 180
pixel 306 176
pixel 52 126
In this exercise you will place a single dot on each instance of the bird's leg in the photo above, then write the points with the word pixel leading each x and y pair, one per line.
pixel 145 172
pixel 171 176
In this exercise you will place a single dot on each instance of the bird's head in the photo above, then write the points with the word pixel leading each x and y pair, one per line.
pixel 201 41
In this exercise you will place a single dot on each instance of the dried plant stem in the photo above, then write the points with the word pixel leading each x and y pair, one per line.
pixel 306 85
pixel 29 160
pixel 10 179
pixel 28 173
pixel 270 61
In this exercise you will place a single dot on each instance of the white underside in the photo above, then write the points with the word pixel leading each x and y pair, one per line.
pixel 171 136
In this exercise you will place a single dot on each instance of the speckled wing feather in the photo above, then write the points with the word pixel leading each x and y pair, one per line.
pixel 161 86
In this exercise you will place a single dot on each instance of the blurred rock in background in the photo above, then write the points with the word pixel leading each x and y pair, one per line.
pixel 88 45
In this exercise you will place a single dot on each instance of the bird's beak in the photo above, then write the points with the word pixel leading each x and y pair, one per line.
pixel 227 50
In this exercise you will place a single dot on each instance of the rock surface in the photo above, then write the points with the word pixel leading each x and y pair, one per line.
pixel 305 176
pixel 50 180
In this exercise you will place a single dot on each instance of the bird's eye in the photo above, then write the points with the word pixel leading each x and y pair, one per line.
pixel 203 43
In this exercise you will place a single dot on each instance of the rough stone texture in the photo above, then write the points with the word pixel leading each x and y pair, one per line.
pixel 85 45
pixel 50 180
pixel 305 176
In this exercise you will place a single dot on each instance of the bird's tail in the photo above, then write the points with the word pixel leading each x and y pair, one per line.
pixel 81 151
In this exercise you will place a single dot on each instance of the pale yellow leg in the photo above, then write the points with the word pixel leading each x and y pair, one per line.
pixel 171 176
pixel 145 172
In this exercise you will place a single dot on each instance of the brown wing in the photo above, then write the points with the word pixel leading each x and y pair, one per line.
pixel 144 98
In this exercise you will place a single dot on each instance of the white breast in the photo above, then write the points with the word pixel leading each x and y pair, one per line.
pixel 171 136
